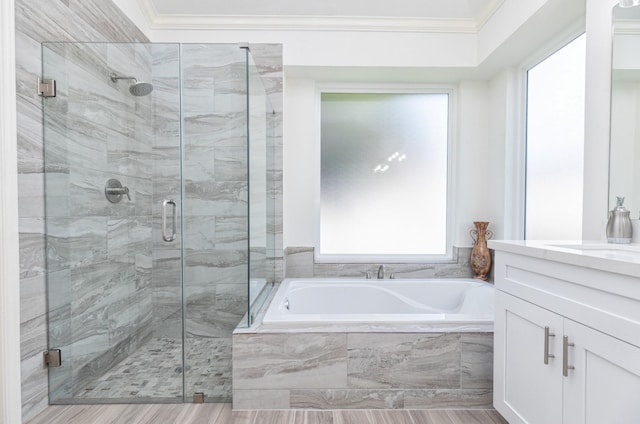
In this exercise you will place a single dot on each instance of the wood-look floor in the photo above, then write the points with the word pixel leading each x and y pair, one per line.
pixel 222 414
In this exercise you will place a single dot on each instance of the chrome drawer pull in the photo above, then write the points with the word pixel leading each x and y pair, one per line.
pixel 547 355
pixel 565 356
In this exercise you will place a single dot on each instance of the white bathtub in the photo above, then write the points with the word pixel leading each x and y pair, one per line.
pixel 347 301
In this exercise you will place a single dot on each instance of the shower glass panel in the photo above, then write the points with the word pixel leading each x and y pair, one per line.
pixel 261 213
pixel 103 145
pixel 215 212
pixel 147 217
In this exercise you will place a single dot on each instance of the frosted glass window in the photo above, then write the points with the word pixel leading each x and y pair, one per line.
pixel 555 145
pixel 383 176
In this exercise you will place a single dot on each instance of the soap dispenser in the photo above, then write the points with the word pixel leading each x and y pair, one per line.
pixel 619 228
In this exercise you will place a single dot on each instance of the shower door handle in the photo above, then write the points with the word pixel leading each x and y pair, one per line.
pixel 172 236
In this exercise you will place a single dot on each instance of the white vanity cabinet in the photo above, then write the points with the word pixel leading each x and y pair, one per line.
pixel 567 338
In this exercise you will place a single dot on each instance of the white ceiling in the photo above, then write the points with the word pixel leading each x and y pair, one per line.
pixel 469 14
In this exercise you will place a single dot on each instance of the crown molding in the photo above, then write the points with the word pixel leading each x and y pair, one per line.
pixel 158 21
pixel 488 12
pixel 313 23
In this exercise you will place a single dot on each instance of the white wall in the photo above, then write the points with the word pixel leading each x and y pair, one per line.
pixel 492 47
pixel 506 157
pixel 487 114
pixel 472 161
pixel 598 100
pixel 471 156
pixel 10 395
pixel 298 162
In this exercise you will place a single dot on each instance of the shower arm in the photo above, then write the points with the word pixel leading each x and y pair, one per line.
pixel 115 77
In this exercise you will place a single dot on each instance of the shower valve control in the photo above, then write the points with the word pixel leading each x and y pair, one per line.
pixel 114 190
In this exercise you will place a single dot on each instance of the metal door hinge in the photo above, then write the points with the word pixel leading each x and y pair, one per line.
pixel 52 358
pixel 46 87
pixel 198 397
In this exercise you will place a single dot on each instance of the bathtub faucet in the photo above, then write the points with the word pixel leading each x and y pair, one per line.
pixel 380 272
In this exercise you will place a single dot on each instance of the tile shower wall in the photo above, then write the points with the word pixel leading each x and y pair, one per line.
pixel 215 218
pixel 92 20
pixel 37 21
pixel 268 60
pixel 98 253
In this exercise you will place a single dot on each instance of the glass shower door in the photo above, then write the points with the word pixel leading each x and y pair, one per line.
pixel 158 214
pixel 113 240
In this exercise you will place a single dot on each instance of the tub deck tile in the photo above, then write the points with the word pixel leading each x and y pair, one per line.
pixel 476 361
pixel 261 399
pixel 289 361
pixel 448 398
pixel 387 360
pixel 347 399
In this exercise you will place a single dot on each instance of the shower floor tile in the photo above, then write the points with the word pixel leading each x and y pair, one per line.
pixel 155 371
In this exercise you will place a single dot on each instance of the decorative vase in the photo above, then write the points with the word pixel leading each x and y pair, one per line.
pixel 480 255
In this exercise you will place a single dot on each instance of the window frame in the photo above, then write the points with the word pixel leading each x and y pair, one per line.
pixel 377 88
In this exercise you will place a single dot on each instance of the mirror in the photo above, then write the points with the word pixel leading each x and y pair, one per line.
pixel 624 162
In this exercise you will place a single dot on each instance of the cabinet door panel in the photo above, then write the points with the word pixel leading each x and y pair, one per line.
pixel 526 390
pixel 604 386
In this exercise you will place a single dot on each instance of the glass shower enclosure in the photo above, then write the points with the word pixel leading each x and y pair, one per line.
pixel 157 217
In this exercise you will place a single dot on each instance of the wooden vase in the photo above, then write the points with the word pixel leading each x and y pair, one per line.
pixel 480 255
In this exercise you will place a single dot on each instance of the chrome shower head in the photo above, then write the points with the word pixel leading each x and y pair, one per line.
pixel 137 88
pixel 140 88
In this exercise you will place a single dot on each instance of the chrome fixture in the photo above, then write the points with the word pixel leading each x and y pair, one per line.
pixel 547 355
pixel 46 87
pixel 380 272
pixel 114 190
pixel 165 236
pixel 619 229
pixel 565 356
pixel 52 358
pixel 137 88
pixel 629 3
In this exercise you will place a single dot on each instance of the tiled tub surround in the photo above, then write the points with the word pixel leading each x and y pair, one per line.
pixel 344 370
pixel 299 262
pixel 405 366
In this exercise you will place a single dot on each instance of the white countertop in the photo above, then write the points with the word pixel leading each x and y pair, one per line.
pixel 618 258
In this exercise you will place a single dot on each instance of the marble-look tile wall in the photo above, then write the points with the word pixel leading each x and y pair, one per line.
pixel 101 20
pixel 215 214
pixel 299 262
pixel 98 253
pixel 268 60
pixel 38 21
pixel 362 370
